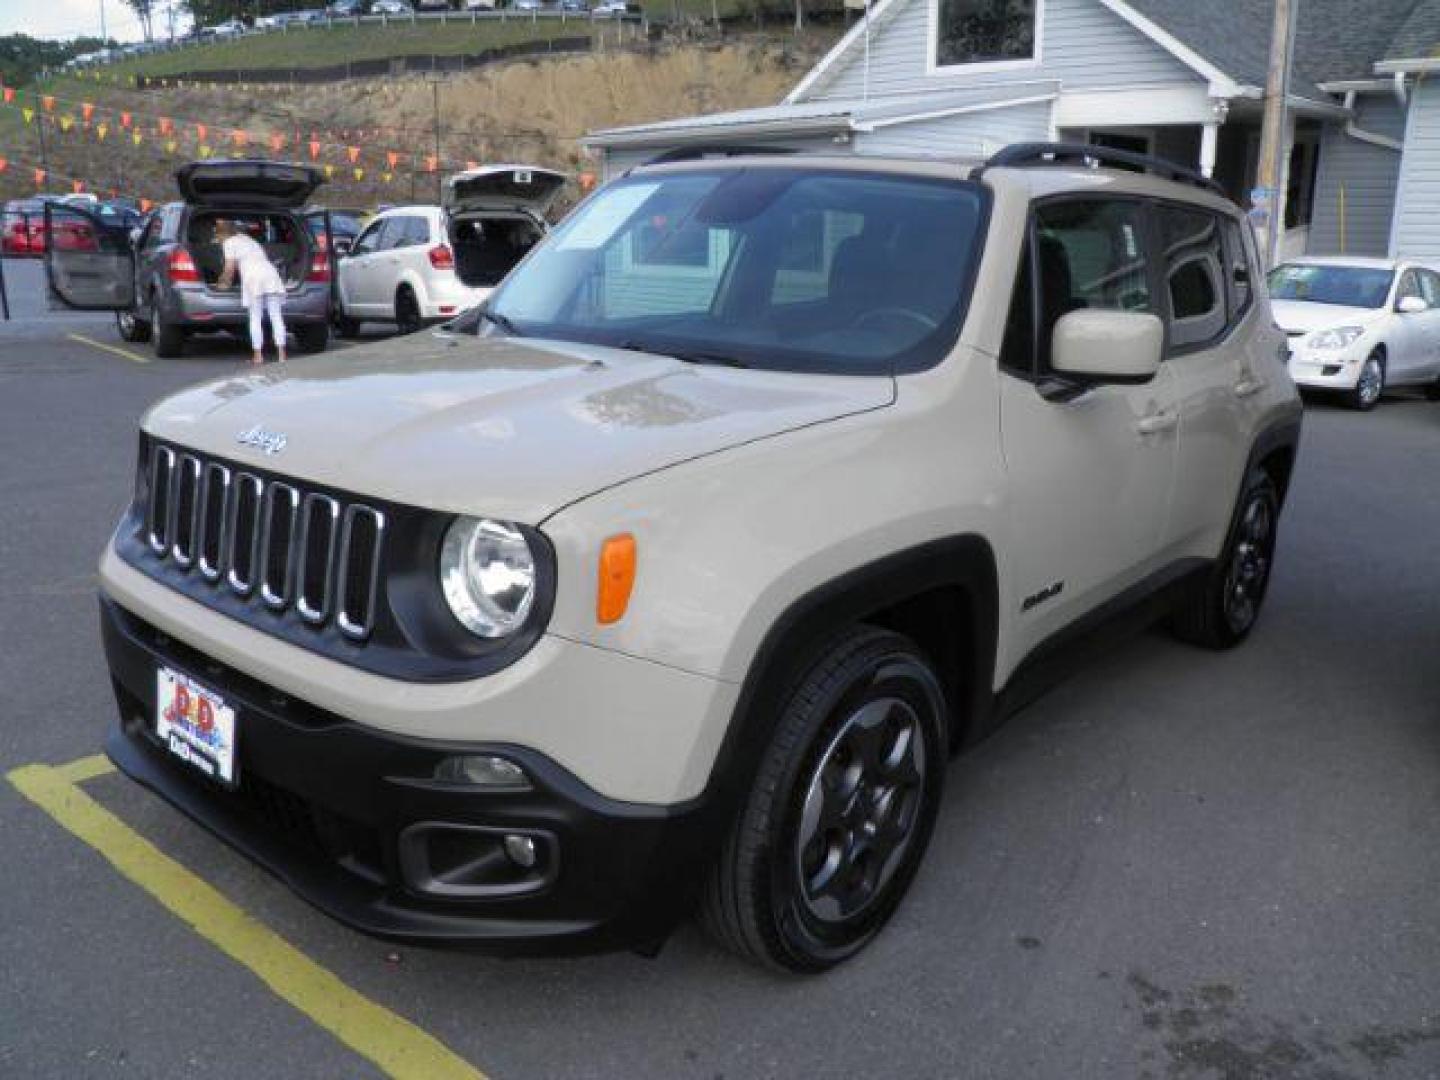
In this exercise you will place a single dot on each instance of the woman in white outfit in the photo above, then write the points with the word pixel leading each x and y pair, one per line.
pixel 261 290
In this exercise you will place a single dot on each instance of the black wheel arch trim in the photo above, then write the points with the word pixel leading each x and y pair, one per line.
pixel 965 562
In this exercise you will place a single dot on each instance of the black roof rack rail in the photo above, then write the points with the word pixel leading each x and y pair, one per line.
pixel 1035 154
pixel 695 153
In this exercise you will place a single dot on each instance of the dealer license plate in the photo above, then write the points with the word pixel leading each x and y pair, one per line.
pixel 195 725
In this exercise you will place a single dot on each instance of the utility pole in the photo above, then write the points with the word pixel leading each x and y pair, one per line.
pixel 435 87
pixel 44 155
pixel 103 37
pixel 1268 199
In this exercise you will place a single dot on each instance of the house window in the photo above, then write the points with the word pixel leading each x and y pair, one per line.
pixel 984 31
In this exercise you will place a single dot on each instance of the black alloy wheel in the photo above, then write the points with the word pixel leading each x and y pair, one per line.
pixel 833 829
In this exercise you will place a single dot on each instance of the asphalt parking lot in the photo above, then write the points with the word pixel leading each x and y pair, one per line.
pixel 1176 865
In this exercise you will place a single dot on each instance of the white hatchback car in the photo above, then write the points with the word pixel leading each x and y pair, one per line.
pixel 421 264
pixel 1359 325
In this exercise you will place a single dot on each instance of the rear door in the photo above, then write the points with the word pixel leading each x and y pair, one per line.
pixel 89 264
pixel 248 185
pixel 1430 290
pixel 405 258
pixel 1216 348
pixel 1410 337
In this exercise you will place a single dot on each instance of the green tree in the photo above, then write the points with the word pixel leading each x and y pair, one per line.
pixel 22 56
pixel 145 11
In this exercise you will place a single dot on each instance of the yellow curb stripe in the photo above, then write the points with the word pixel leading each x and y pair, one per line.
pixel 126 353
pixel 395 1045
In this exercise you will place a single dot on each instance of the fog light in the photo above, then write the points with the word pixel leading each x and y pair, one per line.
pixel 483 770
pixel 521 850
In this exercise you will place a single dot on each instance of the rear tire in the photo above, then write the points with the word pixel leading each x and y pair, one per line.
pixel 407 311
pixel 1370 385
pixel 168 339
pixel 1223 607
pixel 834 826
pixel 312 339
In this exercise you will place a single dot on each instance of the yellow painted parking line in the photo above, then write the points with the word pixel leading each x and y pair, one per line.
pixel 86 768
pixel 135 357
pixel 395 1045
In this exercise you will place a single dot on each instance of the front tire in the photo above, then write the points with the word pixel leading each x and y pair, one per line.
pixel 833 829
pixel 131 327
pixel 1223 607
pixel 1370 385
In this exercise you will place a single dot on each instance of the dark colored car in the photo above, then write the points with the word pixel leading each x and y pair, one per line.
pixel 161 282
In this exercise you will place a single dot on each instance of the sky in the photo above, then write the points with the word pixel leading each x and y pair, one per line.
pixel 68 18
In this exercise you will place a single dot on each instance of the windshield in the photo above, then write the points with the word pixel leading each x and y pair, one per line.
pixel 1350 286
pixel 777 267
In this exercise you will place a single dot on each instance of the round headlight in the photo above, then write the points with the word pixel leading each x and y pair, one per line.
pixel 487 573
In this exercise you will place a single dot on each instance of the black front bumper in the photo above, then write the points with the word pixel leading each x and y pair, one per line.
pixel 334 808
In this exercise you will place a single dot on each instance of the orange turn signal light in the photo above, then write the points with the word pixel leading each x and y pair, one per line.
pixel 617 578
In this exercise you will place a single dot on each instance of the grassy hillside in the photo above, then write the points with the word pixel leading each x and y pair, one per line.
pixel 329 46
pixel 523 110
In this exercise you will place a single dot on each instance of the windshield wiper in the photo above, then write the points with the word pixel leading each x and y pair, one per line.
pixel 504 322
pixel 715 359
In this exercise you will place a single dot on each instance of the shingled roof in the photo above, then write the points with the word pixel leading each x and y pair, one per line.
pixel 1419 36
pixel 1335 39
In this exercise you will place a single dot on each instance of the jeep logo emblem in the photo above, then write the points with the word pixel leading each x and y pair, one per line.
pixel 269 442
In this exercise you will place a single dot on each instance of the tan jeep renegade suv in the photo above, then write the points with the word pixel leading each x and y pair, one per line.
pixel 672 576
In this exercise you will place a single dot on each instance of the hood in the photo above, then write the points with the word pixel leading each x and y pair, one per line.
pixel 498 426
pixel 503 187
pixel 251 185
pixel 1304 317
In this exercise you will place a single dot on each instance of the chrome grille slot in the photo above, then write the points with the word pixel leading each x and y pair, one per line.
pixel 157 519
pixel 184 511
pixel 358 572
pixel 267 543
pixel 277 531
pixel 319 537
pixel 242 533
pixel 210 543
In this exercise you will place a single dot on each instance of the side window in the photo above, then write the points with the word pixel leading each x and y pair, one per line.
pixel 405 232
pixel 1430 288
pixel 170 227
pixel 1409 285
pixel 369 240
pixel 150 238
pixel 1090 254
pixel 1193 257
pixel 1242 272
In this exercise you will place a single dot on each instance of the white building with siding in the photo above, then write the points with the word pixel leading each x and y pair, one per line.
pixel 1180 79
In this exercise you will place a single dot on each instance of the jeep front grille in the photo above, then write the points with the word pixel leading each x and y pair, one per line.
pixel 266 540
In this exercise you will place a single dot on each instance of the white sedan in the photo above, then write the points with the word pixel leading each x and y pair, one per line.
pixel 1359 325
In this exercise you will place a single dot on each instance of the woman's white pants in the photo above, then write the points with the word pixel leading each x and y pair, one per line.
pixel 271 306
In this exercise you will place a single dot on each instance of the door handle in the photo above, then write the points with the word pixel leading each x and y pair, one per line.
pixel 1248 385
pixel 1156 423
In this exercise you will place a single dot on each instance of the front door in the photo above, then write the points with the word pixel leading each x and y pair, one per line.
pixel 358 271
pixel 1090 474
pixel 89 265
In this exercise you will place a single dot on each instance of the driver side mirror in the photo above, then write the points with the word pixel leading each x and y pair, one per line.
pixel 1108 346
pixel 1411 305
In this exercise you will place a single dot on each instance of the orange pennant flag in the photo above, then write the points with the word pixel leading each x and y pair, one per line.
pixel 353 153
pixel 3 164
pixel 314 149
pixel 87 110
pixel 49 102
pixel 472 165
pixel 431 163
pixel 200 132
pixel 239 138
pixel 145 205
pixel 392 159
pixel 277 142
pixel 125 120
pixel 166 125
pixel 39 177
pixel 77 186
pixel 9 93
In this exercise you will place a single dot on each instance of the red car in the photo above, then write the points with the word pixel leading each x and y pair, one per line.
pixel 23 230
